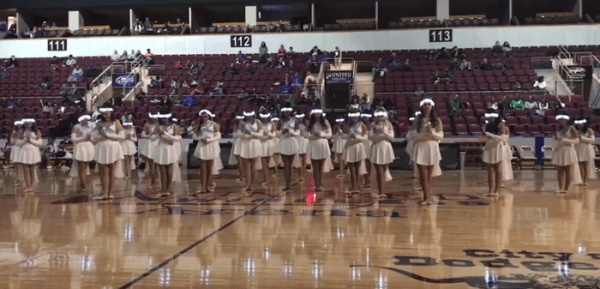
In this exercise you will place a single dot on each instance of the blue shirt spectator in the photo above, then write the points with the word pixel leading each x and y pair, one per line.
pixel 190 101
pixel 285 88
pixel 296 80
pixel 240 57
pixel 291 53
pixel 5 74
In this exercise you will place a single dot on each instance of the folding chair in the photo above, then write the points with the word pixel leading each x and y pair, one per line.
pixel 528 155
pixel 548 151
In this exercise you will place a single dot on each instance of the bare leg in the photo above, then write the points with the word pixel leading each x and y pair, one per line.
pixel 368 174
pixel 20 173
pixel 584 172
pixel 265 169
pixel 568 177
pixel 202 177
pixel 104 179
pixel 127 166
pixel 490 173
pixel 154 173
pixel 380 171
pixel 169 170
pixel 249 172
pixel 430 181
pixel 318 173
pixel 498 177
pixel 302 166
pixel 341 164
pixel 240 168
pixel 27 177
pixel 82 175
pixel 287 170
pixel 560 170
pixel 353 176
pixel 276 158
pixel 163 178
pixel 424 182
pixel 112 178
pixel 208 175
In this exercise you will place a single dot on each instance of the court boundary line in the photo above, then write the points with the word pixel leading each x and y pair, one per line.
pixel 192 246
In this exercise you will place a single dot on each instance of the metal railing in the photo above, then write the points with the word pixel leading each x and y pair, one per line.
pixel 105 77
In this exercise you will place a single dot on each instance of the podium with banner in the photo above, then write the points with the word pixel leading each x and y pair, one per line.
pixel 337 89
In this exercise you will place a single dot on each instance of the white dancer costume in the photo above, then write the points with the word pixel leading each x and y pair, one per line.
pixel 565 154
pixel 302 139
pixel 267 140
pixel 494 149
pixel 506 166
pixel 318 146
pixel 128 144
pixel 355 151
pixel 381 135
pixel 208 145
pixel 30 148
pixel 585 152
pixel 236 148
pixel 288 138
pixel 148 143
pixel 339 141
pixel 168 149
pixel 108 150
pixel 426 149
pixel 15 151
pixel 84 148
pixel 251 147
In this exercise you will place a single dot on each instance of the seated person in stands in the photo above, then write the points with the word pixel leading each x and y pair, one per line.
pixel 420 93
pixel 62 152
pixel 156 82
pixel 166 29
pixel 10 62
pixel 430 55
pixel 454 65
pixel 442 54
pixel 497 48
pixel 5 74
pixel 70 60
pixel 200 88
pixel 185 84
pixel 517 86
pixel 315 65
pixel 148 28
pixel 454 105
pixel 195 81
pixel 115 56
pixel 506 48
pixel 178 65
pixel 47 108
pixel 365 103
pixel 406 65
pixel 187 65
pixel 505 105
pixel 280 64
pixel 45 84
pixel 457 53
pixel 76 74
pixel 138 26
pixel 250 69
pixel 491 105
pixel 13 103
pixel 78 101
pixel 394 62
pixel 530 104
pixel 285 87
pixel 56 61
pixel 175 83
pixel 540 84
pixel 291 53
pixel 558 104
pixel 196 68
pixel 517 104
pixel 442 77
pixel 231 70
pixel 219 89
pixel 64 90
pixel 485 65
pixel 148 57
pixel 296 80
pixel 240 57
pixel 315 51
pixel 466 65
pixel 190 101
pixel 281 52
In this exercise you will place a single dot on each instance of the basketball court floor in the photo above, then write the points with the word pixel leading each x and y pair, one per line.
pixel 526 238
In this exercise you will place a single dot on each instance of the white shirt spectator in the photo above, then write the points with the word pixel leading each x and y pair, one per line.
pixel 116 56
pixel 530 105
pixel 71 61
pixel 539 85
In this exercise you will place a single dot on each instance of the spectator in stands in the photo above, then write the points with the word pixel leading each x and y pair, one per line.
pixel 281 52
pixel 457 53
pixel 558 104
pixel 47 108
pixel 185 84
pixel 337 57
pixel 280 63
pixel 291 53
pixel 454 105
pixel 124 56
pixel 138 27
pixel 505 106
pixel 296 80
pixel 78 101
pixel 65 104
pixel 506 48
pixel 200 88
pixel 156 82
pixel 442 54
pixel 219 89
pixel 517 104
pixel 315 51
pixel 240 57
pixel 166 29
pixel 190 101
pixel 420 93
pixel 148 28
pixel 394 62
pixel 178 65
pixel 53 25
pixel 530 104
pixel 166 101
pixel 517 86
pixel 485 65
pixel 70 60
pixel 148 57
pixel 91 72
pixel 263 52
pixel 442 77
pixel 540 84
pixel 454 65
pixel 466 65
pixel 5 74
pixel 45 84
pixel 195 81
pixel 64 90
pixel 10 62
pixel 354 103
pixel 285 88
pixel 314 64
pixel 231 70
pixel 12 102
pixel 250 69
pixel 497 48
pixel 76 74
pixel 196 68
pixel 175 83
pixel 365 103
pixel 115 56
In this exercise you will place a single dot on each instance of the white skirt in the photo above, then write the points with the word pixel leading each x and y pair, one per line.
pixel 165 154
pixel 338 145
pixel 84 151
pixel 30 154
pixel 318 149
pixel 237 146
pixel 585 152
pixel 251 148
pixel 382 153
pixel 506 166
pixel 14 154
pixel 302 145
pixel 287 146
pixel 209 151
pixel 564 156
pixel 108 152
pixel 268 148
pixel 354 153
pixel 146 147
pixel 493 153
pixel 427 153
pixel 128 147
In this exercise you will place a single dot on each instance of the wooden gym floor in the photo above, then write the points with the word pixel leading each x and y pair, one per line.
pixel 527 238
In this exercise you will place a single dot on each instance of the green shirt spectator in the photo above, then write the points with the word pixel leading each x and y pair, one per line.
pixel 517 104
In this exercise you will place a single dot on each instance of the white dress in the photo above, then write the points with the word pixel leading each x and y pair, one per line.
pixel 318 146
pixel 302 139
pixel 167 153
pixel 494 150
pixel 211 149
pixel 128 144
pixel 381 152
pixel 564 150
pixel 236 148
pixel 585 152
pixel 268 145
pixel 506 166
pixel 84 148
pixel 339 142
pixel 288 142
pixel 108 150
pixel 15 151
pixel 426 149
pixel 147 144
pixel 30 149
pixel 354 150
pixel 251 145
